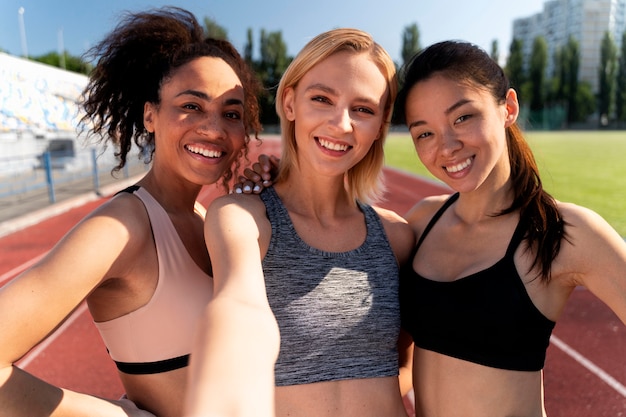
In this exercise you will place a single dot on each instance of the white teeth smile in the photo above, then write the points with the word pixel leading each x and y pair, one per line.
pixel 204 152
pixel 459 167
pixel 333 146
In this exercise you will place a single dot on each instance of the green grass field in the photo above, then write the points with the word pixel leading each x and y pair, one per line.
pixel 586 168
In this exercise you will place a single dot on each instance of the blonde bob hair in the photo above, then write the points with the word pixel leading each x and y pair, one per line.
pixel 364 180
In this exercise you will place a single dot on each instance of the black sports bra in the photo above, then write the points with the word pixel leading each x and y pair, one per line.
pixel 486 318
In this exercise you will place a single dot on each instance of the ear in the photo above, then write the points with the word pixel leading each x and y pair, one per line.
pixel 288 104
pixel 148 116
pixel 380 133
pixel 512 107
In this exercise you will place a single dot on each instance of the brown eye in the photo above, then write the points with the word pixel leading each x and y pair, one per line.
pixel 463 118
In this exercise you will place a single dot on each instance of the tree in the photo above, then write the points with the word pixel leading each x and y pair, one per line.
pixel 571 61
pixel 556 95
pixel 495 53
pixel 558 90
pixel 270 68
pixel 584 102
pixel 410 42
pixel 606 77
pixel 249 47
pixel 213 30
pixel 72 63
pixel 514 67
pixel 537 74
pixel 620 84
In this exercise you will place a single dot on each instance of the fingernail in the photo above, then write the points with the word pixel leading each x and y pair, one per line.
pixel 247 188
pixel 238 190
pixel 257 188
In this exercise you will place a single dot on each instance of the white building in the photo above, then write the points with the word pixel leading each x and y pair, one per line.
pixel 586 20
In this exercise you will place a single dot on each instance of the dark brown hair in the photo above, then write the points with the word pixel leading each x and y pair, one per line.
pixel 465 62
pixel 133 62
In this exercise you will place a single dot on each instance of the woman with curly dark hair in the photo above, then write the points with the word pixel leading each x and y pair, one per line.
pixel 188 103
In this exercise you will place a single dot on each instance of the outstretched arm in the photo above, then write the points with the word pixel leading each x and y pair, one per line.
pixel 39 300
pixel 232 363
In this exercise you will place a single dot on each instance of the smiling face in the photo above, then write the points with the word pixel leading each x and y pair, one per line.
pixel 198 124
pixel 459 132
pixel 338 108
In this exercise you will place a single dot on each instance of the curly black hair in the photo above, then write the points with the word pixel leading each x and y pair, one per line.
pixel 133 61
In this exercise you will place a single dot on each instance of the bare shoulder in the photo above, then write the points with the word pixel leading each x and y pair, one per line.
pixel 389 215
pixel 125 214
pixel 425 209
pixel 120 229
pixel 238 214
pixel 399 233
pixel 236 203
pixel 591 246
pixel 584 224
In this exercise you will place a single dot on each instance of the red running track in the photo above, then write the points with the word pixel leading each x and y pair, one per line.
pixel 585 373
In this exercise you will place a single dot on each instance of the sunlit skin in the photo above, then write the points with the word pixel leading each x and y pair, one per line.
pixel 199 132
pixel 200 121
pixel 339 109
pixel 109 258
pixel 459 134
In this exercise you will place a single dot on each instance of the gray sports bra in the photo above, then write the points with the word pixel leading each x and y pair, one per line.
pixel 338 313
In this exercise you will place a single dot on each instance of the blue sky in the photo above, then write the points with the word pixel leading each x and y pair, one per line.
pixel 79 24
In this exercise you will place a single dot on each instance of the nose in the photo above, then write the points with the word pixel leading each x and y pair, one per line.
pixel 211 125
pixel 341 119
pixel 450 143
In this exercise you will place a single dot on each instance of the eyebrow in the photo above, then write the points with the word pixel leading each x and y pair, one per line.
pixel 330 90
pixel 449 110
pixel 204 96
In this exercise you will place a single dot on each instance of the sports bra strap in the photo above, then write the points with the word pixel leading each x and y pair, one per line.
pixel 130 189
pixel 434 219
pixel 518 236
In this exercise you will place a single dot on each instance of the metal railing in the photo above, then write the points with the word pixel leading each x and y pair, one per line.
pixel 52 169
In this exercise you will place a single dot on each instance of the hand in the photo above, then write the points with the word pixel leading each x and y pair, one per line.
pixel 260 176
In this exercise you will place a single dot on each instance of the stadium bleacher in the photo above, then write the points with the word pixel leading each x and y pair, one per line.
pixel 37 98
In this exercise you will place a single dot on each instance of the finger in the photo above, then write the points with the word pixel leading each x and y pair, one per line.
pixel 265 162
pixel 262 171
pixel 258 187
pixel 248 187
pixel 251 175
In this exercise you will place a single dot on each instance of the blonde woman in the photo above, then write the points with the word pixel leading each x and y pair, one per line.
pixel 306 273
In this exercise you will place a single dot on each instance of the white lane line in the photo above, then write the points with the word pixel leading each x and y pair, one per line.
pixel 9 275
pixel 32 355
pixel 591 367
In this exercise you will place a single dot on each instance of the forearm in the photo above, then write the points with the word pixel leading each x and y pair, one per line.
pixel 22 394
pixel 232 363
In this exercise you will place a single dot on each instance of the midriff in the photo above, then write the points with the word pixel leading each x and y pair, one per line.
pixel 369 397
